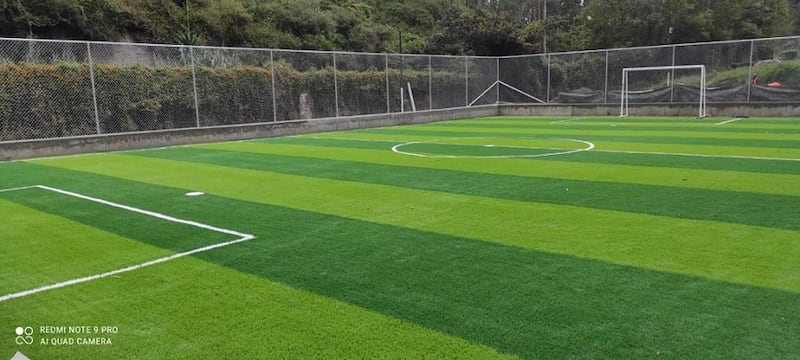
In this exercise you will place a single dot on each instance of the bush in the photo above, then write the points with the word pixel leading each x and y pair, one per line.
pixel 55 100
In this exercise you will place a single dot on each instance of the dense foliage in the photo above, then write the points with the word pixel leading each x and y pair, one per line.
pixel 477 27
pixel 138 98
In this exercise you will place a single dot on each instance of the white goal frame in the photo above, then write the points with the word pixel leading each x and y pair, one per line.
pixel 624 95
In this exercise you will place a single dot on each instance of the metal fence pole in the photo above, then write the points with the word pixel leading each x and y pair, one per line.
pixel 750 70
pixel 497 81
pixel 335 85
pixel 386 71
pixel 548 78
pixel 194 87
pixel 606 84
pixel 466 79
pixel 672 78
pixel 94 87
pixel 272 73
pixel 430 85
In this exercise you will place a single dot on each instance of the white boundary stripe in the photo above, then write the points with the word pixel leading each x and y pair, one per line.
pixel 18 188
pixel 242 237
pixel 119 271
pixel 728 121
pixel 565 120
pixel 700 155
pixel 589 147
pixel 144 212
pixel 349 139
pixel 600 150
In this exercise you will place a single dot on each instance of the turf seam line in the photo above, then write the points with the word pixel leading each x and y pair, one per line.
pixel 242 237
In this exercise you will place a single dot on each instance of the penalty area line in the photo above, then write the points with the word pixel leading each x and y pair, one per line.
pixel 241 237
pixel 120 271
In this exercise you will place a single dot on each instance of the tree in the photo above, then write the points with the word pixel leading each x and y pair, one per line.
pixel 473 32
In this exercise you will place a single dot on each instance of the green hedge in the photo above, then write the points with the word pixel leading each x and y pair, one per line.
pixel 43 101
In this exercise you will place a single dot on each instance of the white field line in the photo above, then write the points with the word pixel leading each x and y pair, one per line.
pixel 728 121
pixel 18 188
pixel 566 120
pixel 144 212
pixel 698 155
pixel 346 139
pixel 396 149
pixel 242 237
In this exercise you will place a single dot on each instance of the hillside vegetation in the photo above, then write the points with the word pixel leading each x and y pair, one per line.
pixel 473 27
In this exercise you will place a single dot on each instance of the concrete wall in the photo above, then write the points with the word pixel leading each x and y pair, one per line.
pixel 713 109
pixel 128 141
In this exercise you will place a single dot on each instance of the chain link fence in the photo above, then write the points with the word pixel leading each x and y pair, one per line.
pixel 761 70
pixel 54 89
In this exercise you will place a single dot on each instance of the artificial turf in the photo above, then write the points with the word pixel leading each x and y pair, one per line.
pixel 363 253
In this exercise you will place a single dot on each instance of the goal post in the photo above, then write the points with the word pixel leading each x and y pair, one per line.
pixel 625 93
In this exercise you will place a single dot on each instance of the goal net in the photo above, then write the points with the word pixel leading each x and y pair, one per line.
pixel 659 82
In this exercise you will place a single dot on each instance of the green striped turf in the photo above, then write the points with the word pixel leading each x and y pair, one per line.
pixel 648 120
pixel 678 202
pixel 185 308
pixel 66 250
pixel 622 125
pixel 782 184
pixel 165 234
pixel 443 131
pixel 523 302
pixel 595 157
pixel 682 246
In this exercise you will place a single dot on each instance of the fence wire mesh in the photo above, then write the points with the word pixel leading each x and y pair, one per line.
pixel 233 86
pixel 574 78
pixel 305 85
pixel 483 73
pixel 448 79
pixel 54 89
pixel 45 90
pixel 362 87
pixel 524 79
pixel 143 88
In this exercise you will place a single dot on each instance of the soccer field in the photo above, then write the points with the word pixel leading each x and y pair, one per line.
pixel 504 237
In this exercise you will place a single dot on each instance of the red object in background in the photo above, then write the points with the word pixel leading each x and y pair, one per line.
pixel 774 84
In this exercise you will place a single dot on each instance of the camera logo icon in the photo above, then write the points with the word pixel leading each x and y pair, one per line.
pixel 24 335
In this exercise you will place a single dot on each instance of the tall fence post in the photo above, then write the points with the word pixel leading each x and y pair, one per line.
pixel 272 73
pixel 386 71
pixel 335 85
pixel 497 80
pixel 194 87
pixel 548 78
pixel 750 70
pixel 672 78
pixel 430 85
pixel 606 84
pixel 94 87
pixel 466 80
